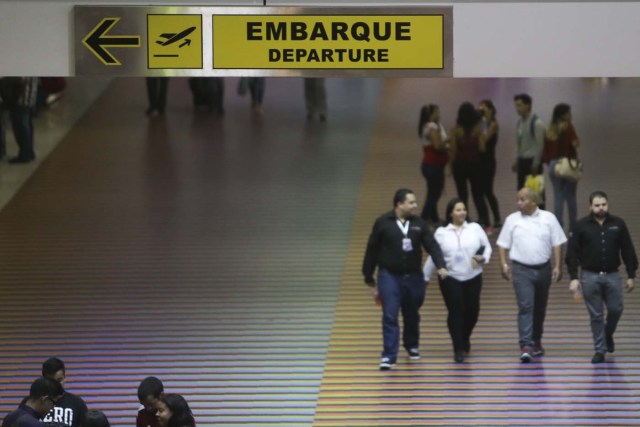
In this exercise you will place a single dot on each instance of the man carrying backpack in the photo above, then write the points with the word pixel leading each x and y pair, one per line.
pixel 530 139
pixel 18 97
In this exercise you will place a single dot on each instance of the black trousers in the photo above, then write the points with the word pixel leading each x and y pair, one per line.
pixel 487 175
pixel 463 303
pixel 471 172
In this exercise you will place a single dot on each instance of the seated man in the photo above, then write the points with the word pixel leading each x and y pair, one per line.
pixel 150 391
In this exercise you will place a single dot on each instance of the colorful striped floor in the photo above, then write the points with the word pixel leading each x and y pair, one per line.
pixel 223 255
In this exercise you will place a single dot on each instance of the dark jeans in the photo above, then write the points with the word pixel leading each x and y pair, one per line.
pixel 487 175
pixel 434 175
pixel 400 292
pixel 256 88
pixel 532 293
pixel 157 93
pixel 471 172
pixel 600 290
pixel 22 123
pixel 463 303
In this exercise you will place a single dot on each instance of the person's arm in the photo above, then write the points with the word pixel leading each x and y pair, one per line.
pixel 629 257
pixel 453 145
pixel 485 257
pixel 572 258
pixel 433 248
pixel 505 270
pixel 539 132
pixel 573 136
pixel 556 275
pixel 436 138
pixel 371 255
pixel 428 269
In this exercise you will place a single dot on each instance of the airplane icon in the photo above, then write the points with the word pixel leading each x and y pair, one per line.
pixel 173 37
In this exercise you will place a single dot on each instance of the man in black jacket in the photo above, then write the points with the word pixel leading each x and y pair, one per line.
pixel 595 246
pixel 395 247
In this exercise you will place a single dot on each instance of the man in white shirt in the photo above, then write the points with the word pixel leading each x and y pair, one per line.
pixel 532 236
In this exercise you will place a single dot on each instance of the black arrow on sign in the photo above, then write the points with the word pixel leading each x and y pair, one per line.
pixel 97 40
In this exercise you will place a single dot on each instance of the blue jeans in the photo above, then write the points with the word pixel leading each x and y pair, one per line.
pixel 563 190
pixel 600 290
pixel 400 292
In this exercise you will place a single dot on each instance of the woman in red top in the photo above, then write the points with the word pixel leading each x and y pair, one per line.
pixel 560 141
pixel 434 159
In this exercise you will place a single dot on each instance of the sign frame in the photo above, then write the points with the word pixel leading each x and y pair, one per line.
pixel 132 21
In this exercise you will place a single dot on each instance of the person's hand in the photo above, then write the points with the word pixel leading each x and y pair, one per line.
pixel 506 271
pixel 556 274
pixel 443 273
pixel 477 260
pixel 576 288
pixel 629 285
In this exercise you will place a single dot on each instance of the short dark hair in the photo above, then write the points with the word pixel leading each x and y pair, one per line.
pixel 51 366
pixel 182 415
pixel 150 386
pixel 400 196
pixel 95 419
pixel 45 386
pixel 452 204
pixel 598 193
pixel 524 98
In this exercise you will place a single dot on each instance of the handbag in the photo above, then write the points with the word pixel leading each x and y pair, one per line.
pixel 535 183
pixel 568 168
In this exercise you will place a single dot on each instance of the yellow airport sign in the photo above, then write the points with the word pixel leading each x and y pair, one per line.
pixel 328 41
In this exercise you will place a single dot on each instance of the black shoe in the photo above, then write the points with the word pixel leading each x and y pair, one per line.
pixel 414 354
pixel 611 346
pixel 458 357
pixel 18 160
pixel 598 358
pixel 386 364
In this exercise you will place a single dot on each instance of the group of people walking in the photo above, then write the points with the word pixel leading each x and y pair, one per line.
pixel 470 149
pixel 530 252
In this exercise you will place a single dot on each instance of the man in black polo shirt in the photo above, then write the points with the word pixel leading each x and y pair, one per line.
pixel 43 395
pixel 395 247
pixel 596 245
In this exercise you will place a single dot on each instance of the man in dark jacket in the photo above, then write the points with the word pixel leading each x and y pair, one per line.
pixel 395 247
pixel 596 245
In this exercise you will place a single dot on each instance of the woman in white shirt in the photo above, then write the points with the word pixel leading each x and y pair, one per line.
pixel 465 247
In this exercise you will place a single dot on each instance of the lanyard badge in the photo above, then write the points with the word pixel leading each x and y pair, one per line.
pixel 406 242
